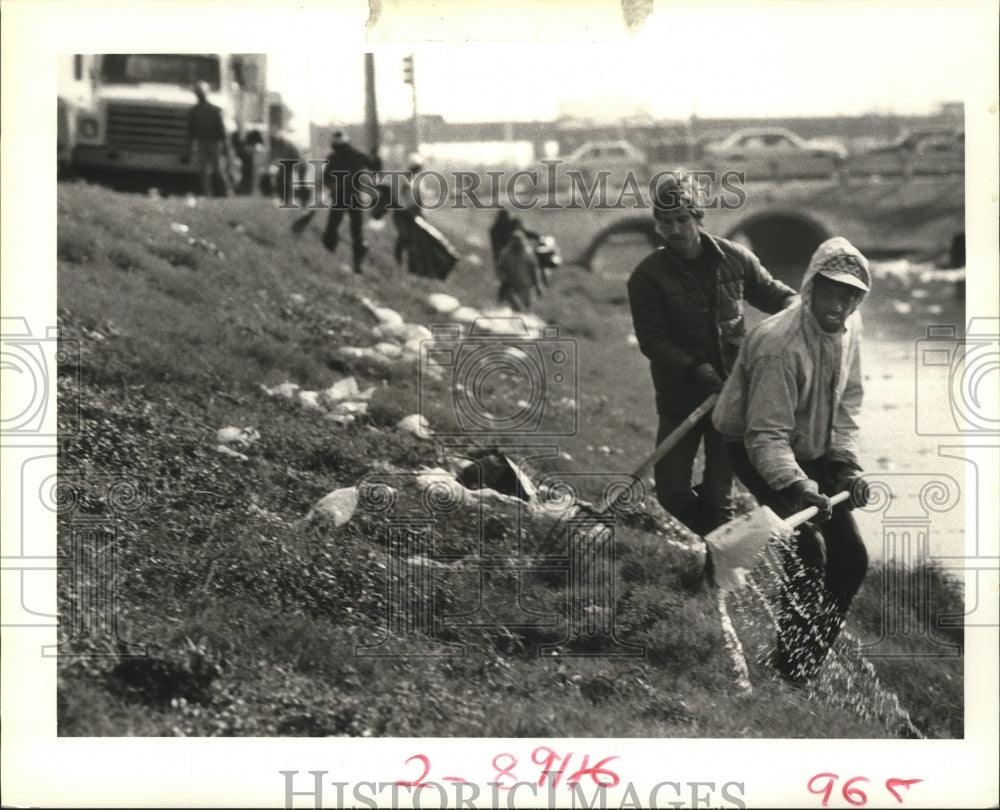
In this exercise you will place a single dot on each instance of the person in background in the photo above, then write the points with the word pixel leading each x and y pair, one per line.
pixel 208 143
pixel 518 272
pixel 344 165
pixel 687 311
pixel 789 414
pixel 405 210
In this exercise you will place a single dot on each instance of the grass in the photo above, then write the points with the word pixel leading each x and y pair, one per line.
pixel 253 615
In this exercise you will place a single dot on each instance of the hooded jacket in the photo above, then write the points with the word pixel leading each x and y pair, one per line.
pixel 795 391
pixel 679 327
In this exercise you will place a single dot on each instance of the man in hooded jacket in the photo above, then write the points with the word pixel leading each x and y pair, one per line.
pixel 789 414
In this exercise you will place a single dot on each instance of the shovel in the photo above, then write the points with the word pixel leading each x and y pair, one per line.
pixel 595 537
pixel 665 446
pixel 734 547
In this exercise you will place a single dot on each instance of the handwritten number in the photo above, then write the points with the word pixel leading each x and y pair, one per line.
pixel 506 770
pixel 595 773
pixel 427 770
pixel 892 784
pixel 830 779
pixel 855 796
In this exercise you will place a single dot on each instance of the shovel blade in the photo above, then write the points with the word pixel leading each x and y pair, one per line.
pixel 736 546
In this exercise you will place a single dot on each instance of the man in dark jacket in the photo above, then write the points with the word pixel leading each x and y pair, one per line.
pixel 207 141
pixel 344 165
pixel 687 311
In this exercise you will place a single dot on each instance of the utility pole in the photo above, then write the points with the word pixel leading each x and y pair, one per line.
pixel 371 108
pixel 410 79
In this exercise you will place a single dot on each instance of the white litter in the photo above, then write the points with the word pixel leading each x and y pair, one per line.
pixel 442 303
pixel 465 314
pixel 244 436
pixel 221 448
pixel 390 350
pixel 416 424
pixel 339 505
pixel 444 486
pixel 346 388
pixel 178 227
pixel 310 400
pixel 384 314
pixel 287 390
pixel 297 298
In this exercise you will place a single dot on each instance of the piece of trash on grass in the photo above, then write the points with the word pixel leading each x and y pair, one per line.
pixel 384 314
pixel 390 350
pixel 339 505
pixel 288 390
pixel 310 400
pixel 465 314
pixel 346 388
pixel 226 451
pixel 443 303
pixel 416 424
pixel 244 436
pixel 179 227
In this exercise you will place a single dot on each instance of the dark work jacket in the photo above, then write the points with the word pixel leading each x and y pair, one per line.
pixel 205 122
pixel 344 164
pixel 678 326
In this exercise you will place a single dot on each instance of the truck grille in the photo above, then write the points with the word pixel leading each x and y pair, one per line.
pixel 148 129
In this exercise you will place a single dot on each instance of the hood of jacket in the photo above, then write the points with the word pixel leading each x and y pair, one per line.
pixel 832 249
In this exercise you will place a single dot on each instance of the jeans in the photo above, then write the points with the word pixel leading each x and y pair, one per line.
pixel 708 505
pixel 210 167
pixel 824 568
pixel 331 238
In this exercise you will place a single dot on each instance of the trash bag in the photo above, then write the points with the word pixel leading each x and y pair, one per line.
pixel 429 253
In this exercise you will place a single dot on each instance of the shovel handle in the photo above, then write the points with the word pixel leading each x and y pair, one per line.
pixel 675 436
pixel 799 518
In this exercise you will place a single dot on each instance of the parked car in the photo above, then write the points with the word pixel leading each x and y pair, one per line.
pixel 916 152
pixel 617 157
pixel 770 153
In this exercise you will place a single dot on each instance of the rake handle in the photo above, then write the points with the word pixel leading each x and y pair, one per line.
pixel 675 436
pixel 799 518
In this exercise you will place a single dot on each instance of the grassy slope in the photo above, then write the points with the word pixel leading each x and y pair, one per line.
pixel 252 615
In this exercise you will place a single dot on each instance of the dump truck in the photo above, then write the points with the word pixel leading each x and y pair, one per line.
pixel 134 117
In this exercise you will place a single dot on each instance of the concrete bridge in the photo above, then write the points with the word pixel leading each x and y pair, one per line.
pixel 784 223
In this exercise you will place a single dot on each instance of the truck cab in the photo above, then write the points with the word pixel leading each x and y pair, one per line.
pixel 136 118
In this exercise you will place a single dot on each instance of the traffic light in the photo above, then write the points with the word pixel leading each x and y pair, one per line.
pixel 408 69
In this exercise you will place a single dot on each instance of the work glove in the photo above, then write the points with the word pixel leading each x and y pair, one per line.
pixel 805 493
pixel 707 380
pixel 849 479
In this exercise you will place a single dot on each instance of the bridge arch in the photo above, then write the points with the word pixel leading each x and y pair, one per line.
pixel 784 241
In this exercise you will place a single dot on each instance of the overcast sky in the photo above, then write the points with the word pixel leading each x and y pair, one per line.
pixel 709 58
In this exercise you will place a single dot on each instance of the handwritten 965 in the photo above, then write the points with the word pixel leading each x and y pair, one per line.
pixel 822 784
